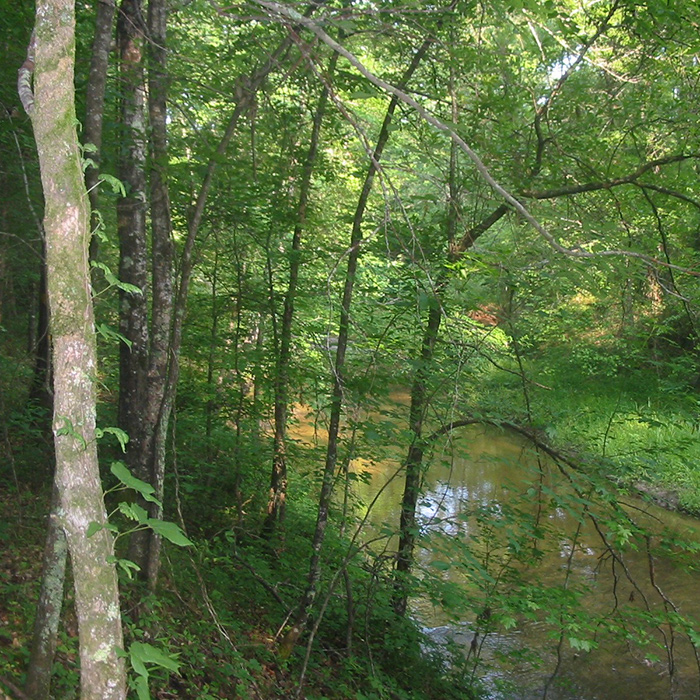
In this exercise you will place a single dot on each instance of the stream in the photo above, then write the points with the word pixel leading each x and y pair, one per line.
pixel 489 468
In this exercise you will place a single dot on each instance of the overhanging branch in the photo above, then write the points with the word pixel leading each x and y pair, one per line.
pixel 284 13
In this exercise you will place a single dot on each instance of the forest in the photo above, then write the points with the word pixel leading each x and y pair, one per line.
pixel 349 349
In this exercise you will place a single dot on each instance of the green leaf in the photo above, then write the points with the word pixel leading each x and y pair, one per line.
pixel 116 185
pixel 141 684
pixel 125 476
pixel 93 527
pixel 362 95
pixel 133 511
pixel 137 664
pixel 120 434
pixel 110 334
pixel 440 565
pixel 170 531
pixel 126 565
pixel 581 644
pixel 148 654
pixel 68 429
pixel 114 281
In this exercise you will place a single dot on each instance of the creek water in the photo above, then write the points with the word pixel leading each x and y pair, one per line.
pixel 487 467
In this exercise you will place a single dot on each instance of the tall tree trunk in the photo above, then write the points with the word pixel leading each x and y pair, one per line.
pixel 170 305
pixel 157 415
pixel 414 460
pixel 278 477
pixel 133 259
pixel 309 596
pixel 66 222
pixel 48 612
pixel 94 107
pixel 419 399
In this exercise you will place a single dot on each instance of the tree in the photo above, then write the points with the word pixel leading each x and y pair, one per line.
pixel 67 227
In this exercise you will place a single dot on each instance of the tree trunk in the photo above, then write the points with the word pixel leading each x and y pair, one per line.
pixel 157 415
pixel 278 478
pixel 133 258
pixel 94 108
pixel 66 222
pixel 414 459
pixel 48 612
pixel 419 400
pixel 309 597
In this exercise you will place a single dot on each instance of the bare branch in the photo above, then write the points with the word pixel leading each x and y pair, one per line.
pixel 284 13
pixel 608 184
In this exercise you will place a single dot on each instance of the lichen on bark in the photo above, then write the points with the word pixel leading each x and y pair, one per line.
pixel 66 223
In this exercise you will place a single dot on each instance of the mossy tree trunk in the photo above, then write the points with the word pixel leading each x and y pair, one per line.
pixel 66 222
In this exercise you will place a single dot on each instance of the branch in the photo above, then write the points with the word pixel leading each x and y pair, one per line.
pixel 543 109
pixel 669 192
pixel 284 13
pixel 469 238
pixel 24 78
pixel 608 184
pixel 13 689
pixel 508 425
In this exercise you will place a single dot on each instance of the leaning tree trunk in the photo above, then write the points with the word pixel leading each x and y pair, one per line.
pixel 66 223
pixel 414 459
pixel 324 503
pixel 278 477
pixel 419 398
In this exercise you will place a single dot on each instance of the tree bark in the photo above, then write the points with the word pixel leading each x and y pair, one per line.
pixel 419 398
pixel 94 108
pixel 133 258
pixel 66 222
pixel 48 612
pixel 162 276
pixel 170 304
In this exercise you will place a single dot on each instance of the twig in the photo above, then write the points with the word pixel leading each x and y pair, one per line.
pixel 24 78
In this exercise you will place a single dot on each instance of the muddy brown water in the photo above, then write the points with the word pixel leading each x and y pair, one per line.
pixel 482 465
pixel 489 466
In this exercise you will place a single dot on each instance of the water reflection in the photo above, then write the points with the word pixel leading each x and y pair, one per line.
pixel 477 482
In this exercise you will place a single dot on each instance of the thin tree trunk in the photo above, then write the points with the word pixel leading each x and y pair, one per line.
pixel 94 108
pixel 48 612
pixel 162 264
pixel 419 399
pixel 213 341
pixel 168 316
pixel 414 459
pixel 133 258
pixel 66 222
pixel 309 597
pixel 278 478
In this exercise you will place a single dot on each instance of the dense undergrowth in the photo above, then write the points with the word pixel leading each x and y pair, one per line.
pixel 218 611
pixel 221 607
